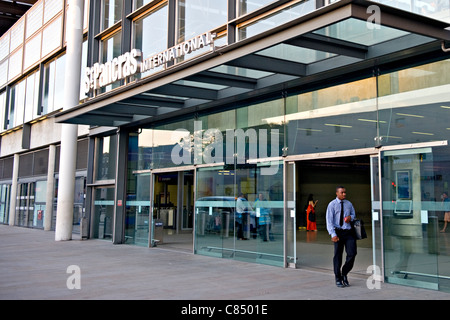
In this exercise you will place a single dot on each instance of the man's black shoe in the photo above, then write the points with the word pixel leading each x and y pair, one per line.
pixel 339 284
pixel 345 281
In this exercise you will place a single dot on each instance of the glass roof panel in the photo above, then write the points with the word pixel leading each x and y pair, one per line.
pixel 357 31
pixel 296 54
pixel 243 72
pixel 200 84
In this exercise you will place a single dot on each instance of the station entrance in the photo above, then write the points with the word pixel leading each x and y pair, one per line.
pixel 317 179
pixel 173 210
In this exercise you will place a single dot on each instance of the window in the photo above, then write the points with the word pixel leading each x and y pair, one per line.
pixel 16 105
pixel 53 88
pixel 111 13
pixel 198 16
pixel 31 97
pixel 110 49
pixel 150 33
pixel 105 165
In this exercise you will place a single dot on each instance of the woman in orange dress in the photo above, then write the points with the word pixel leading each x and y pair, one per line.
pixel 311 225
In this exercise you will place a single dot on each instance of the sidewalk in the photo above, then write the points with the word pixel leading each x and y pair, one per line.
pixel 34 266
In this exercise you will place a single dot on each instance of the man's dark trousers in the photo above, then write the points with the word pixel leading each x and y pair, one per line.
pixel 347 240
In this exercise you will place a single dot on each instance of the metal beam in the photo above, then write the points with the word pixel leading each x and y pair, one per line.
pixel 331 45
pixel 268 64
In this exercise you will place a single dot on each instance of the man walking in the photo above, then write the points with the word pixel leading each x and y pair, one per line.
pixel 340 213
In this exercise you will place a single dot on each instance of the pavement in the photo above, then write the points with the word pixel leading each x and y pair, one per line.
pixel 34 266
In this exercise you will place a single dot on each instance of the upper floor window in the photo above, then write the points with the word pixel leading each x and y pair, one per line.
pixel 53 87
pixel 198 16
pixel 110 48
pixel 111 13
pixel 150 33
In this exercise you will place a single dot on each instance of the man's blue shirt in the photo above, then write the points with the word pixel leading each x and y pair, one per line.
pixel 333 215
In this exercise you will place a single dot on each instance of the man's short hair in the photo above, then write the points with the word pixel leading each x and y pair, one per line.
pixel 339 187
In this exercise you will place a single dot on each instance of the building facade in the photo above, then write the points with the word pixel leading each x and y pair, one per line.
pixel 202 123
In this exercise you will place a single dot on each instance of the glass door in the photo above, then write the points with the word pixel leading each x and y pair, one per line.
pixel 103 212
pixel 412 183
pixel 173 209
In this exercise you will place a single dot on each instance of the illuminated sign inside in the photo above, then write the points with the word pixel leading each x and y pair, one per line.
pixel 130 63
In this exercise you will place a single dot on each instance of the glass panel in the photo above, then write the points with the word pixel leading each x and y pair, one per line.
pixel 110 49
pixel 276 19
pixel 139 3
pixel 32 51
pixel 414 104
pixel 78 205
pixel 138 208
pixel 246 6
pixel 51 36
pixel 111 12
pixel 429 8
pixel 103 213
pixel 4 203
pixel 198 16
pixel 355 30
pixel 172 144
pixel 53 88
pixel 409 191
pixel 31 97
pixel 106 158
pixel 150 35
pixel 244 72
pixel 294 53
pixel 15 64
pixel 346 112
pixel 39 203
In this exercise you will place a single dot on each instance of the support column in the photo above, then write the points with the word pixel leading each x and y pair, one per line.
pixel 69 132
pixel 50 188
pixel 13 196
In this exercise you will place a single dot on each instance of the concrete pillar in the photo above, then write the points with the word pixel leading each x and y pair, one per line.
pixel 50 188
pixel 13 197
pixel 69 132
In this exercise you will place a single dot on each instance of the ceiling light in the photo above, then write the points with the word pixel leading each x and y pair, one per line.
pixel 337 125
pixel 424 133
pixel 410 115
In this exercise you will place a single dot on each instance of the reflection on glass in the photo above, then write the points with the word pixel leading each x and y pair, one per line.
pixel 239 213
pixel 199 16
pixel 276 19
pixel 345 112
pixel 413 106
pixel 430 8
pixel 409 217
pixel 111 12
pixel 246 6
pixel 110 49
pixel 105 165
pixel 150 34
pixel 355 30
pixel 295 53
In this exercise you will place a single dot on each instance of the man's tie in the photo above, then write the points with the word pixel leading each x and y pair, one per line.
pixel 341 219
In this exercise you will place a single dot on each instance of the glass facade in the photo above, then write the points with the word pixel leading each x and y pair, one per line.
pixel 234 177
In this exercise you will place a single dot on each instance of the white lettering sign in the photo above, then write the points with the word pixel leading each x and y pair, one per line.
pixel 130 63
